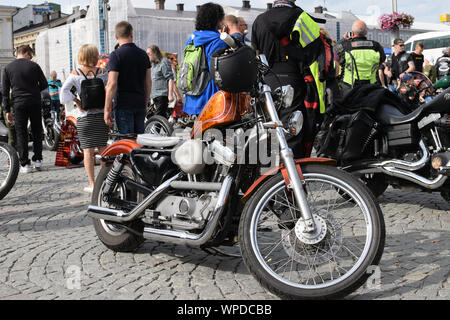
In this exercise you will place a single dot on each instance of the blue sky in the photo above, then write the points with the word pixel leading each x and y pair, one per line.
pixel 422 10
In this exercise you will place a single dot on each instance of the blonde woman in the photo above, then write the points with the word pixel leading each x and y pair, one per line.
pixel 92 130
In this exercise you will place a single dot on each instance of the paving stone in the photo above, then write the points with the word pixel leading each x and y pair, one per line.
pixel 44 230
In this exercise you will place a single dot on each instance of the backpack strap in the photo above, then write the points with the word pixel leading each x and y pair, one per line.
pixel 84 75
pixel 204 59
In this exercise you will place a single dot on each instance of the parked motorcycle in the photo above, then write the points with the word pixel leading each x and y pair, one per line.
pixel 9 163
pixel 49 123
pixel 387 147
pixel 67 130
pixel 297 235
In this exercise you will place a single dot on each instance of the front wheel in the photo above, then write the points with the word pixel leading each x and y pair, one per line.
pixel 9 168
pixel 331 262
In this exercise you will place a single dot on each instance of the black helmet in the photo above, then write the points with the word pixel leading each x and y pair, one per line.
pixel 234 71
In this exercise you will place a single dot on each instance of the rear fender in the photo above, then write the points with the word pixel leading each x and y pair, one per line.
pixel 119 147
pixel 260 181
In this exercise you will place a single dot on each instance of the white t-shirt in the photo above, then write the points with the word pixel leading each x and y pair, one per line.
pixel 75 81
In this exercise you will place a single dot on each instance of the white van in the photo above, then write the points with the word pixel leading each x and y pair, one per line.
pixel 433 43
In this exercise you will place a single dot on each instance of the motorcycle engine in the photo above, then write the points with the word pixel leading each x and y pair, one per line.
pixel 185 213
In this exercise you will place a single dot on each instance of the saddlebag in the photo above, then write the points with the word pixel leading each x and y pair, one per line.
pixel 349 136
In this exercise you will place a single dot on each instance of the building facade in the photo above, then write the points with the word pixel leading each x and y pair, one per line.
pixel 57 48
pixel 6 36
pixel 39 21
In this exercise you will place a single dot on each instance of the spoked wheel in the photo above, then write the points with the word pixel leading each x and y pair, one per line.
pixel 158 125
pixel 328 263
pixel 9 168
pixel 113 235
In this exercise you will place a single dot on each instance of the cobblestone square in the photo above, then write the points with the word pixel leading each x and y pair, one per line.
pixel 47 240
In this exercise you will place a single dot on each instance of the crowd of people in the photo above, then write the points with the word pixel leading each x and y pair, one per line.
pixel 290 39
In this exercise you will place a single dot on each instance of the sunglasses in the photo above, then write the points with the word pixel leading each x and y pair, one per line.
pixel 401 45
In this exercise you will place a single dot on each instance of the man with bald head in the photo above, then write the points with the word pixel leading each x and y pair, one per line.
pixel 362 57
pixel 232 24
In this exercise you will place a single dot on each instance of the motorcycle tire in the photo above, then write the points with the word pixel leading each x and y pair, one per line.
pixel 114 236
pixel 158 125
pixel 51 138
pixel 377 184
pixel 446 195
pixel 9 162
pixel 255 230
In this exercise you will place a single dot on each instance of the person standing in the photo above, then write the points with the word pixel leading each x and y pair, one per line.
pixel 162 81
pixel 209 20
pixel 243 28
pixel 399 63
pixel 443 64
pixel 233 27
pixel 129 81
pixel 53 90
pixel 92 130
pixel 278 34
pixel 418 57
pixel 26 80
pixel 362 57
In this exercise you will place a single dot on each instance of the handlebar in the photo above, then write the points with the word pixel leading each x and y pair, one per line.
pixel 225 37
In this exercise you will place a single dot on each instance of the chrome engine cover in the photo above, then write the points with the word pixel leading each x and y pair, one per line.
pixel 184 213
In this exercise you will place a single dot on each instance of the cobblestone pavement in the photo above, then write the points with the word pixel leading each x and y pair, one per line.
pixel 45 235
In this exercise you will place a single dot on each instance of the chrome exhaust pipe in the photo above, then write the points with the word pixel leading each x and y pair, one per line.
pixel 121 216
pixel 190 239
pixel 405 165
pixel 412 177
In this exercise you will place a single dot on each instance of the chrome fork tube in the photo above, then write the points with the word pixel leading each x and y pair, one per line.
pixel 288 159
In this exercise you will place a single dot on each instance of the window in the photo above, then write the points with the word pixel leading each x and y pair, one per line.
pixel 434 43
pixel 408 46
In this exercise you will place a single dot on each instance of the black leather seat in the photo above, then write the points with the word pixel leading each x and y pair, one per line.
pixel 390 115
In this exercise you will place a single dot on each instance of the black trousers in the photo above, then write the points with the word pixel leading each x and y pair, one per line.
pixel 24 111
pixel 161 106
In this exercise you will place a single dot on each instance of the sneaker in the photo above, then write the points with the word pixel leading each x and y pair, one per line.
pixel 88 189
pixel 26 169
pixel 37 165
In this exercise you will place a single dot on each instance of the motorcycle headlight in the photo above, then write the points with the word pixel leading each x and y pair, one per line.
pixel 288 95
pixel 296 123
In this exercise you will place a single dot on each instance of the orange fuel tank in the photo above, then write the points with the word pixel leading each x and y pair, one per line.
pixel 223 108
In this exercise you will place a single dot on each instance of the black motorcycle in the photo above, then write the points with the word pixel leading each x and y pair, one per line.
pixel 388 147
pixel 50 123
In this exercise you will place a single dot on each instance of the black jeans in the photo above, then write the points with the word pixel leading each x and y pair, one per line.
pixel 161 106
pixel 22 112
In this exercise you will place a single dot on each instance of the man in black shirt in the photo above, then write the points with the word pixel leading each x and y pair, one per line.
pixel 418 57
pixel 26 80
pixel 271 33
pixel 398 64
pixel 443 64
pixel 129 81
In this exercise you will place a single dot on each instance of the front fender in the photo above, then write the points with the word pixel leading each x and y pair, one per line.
pixel 119 147
pixel 273 171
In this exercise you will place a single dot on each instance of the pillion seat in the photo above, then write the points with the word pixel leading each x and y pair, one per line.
pixel 157 141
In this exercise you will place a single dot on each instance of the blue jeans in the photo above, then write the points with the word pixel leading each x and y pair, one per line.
pixel 130 120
